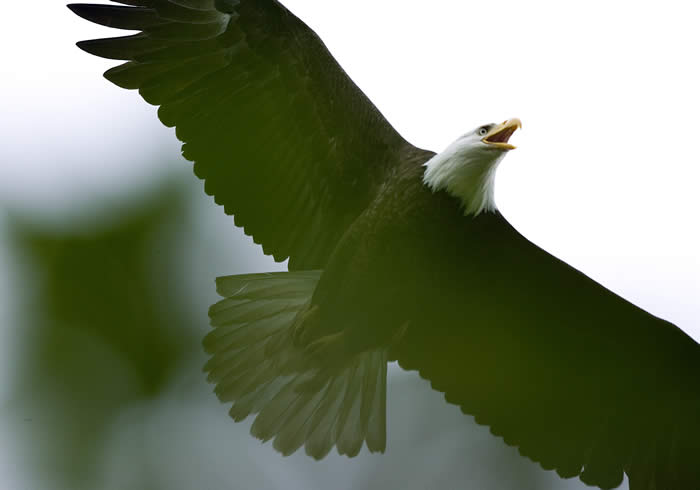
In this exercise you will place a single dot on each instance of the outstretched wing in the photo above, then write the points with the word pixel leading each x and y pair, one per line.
pixel 282 137
pixel 578 378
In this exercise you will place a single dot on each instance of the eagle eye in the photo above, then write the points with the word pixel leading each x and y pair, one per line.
pixel 483 130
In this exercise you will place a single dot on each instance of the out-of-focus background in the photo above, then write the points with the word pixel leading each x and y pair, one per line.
pixel 109 247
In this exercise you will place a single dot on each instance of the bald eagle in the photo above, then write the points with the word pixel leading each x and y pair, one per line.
pixel 395 253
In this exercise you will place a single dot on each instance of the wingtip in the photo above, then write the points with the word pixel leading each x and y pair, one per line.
pixel 101 48
pixel 131 17
pixel 83 45
pixel 88 11
pixel 79 9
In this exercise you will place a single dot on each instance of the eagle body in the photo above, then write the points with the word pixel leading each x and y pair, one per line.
pixel 395 253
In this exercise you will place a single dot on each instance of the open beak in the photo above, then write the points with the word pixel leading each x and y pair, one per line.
pixel 498 137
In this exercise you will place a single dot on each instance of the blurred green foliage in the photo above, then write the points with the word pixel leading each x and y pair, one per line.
pixel 96 335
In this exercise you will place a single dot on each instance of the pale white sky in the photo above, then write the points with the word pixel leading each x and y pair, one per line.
pixel 607 169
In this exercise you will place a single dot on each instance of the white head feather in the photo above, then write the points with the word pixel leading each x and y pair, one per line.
pixel 466 169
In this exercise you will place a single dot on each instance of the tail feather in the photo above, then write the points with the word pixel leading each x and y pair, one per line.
pixel 248 346
pixel 255 400
pixel 321 437
pixel 293 433
pixel 248 333
pixel 247 382
pixel 231 311
pixel 267 285
pixel 273 417
pixel 348 419
pixel 376 428
pixel 298 400
pixel 229 365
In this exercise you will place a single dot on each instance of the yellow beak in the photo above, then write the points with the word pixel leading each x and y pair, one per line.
pixel 499 136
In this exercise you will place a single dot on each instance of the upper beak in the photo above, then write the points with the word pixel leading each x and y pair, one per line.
pixel 499 136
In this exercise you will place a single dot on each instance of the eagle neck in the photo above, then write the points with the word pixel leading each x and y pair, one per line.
pixel 468 176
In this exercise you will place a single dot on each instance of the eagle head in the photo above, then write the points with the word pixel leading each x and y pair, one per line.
pixel 466 169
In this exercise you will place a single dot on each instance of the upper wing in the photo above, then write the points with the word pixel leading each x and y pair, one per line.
pixel 581 380
pixel 280 134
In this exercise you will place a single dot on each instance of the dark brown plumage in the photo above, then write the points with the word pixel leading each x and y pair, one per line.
pixel 384 268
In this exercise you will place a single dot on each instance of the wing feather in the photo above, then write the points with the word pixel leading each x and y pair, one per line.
pixel 581 380
pixel 282 137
